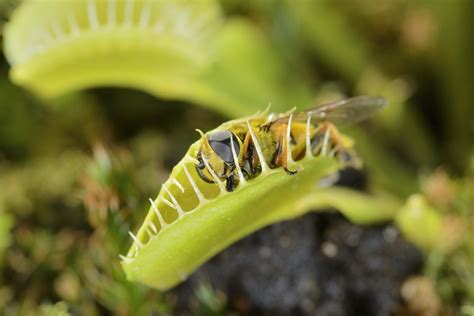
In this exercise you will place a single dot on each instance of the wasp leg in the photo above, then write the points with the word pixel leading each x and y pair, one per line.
pixel 246 143
pixel 337 139
pixel 277 155
pixel 246 163
pixel 266 127
pixel 200 170
pixel 335 134
pixel 281 152
pixel 251 160
pixel 230 184
pixel 289 172
pixel 344 154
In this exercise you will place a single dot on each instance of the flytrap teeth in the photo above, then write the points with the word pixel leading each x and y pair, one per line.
pixel 135 239
pixel 174 203
pixel 169 203
pixel 145 15
pixel 191 160
pixel 179 185
pixel 187 21
pixel 92 14
pixel 72 23
pixel 198 192
pixel 149 232
pixel 236 162
pixel 153 227
pixel 157 212
pixel 125 259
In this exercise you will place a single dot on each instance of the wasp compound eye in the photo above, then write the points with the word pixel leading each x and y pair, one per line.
pixel 220 142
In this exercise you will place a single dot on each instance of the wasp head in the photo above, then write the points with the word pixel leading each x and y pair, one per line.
pixel 217 151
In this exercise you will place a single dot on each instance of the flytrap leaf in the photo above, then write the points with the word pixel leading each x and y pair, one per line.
pixel 242 176
pixel 55 47
pixel 174 49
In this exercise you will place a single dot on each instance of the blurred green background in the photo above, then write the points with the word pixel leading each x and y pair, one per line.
pixel 77 168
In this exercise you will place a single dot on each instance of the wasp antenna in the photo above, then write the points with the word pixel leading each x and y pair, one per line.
pixel 236 162
pixel 199 194
pixel 263 163
pixel 176 182
pixel 201 133
pixel 309 152
pixel 178 208
pixel 135 239
pixel 162 221
pixel 325 142
pixel 213 174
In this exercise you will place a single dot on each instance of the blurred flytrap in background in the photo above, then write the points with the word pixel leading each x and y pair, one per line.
pixel 79 161
pixel 172 49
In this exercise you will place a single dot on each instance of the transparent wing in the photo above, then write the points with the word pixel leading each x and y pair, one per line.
pixel 344 112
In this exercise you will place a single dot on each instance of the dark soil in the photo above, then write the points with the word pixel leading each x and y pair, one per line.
pixel 320 264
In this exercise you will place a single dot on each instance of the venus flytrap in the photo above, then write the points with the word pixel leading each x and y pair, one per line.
pixel 55 47
pixel 173 49
pixel 244 175
pixel 183 243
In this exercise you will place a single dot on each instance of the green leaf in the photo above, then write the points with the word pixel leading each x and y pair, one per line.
pixel 56 47
pixel 360 208
pixel 420 223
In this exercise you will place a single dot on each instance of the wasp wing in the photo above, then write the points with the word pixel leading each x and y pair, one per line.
pixel 344 112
